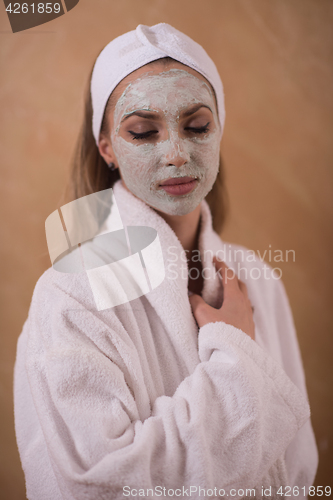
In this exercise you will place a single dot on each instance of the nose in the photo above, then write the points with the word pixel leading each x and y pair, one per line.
pixel 177 154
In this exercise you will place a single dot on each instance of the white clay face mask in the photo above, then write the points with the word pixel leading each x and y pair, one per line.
pixel 145 164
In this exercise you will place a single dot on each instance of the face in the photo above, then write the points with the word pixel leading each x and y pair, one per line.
pixel 165 137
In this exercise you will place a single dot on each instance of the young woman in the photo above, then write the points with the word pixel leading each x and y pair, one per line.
pixel 195 388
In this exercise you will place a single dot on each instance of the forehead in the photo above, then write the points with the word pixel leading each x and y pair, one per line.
pixel 158 79
pixel 155 68
pixel 172 89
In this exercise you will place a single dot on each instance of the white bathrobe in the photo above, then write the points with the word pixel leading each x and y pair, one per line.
pixel 127 401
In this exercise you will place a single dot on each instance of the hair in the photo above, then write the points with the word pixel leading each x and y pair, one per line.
pixel 89 173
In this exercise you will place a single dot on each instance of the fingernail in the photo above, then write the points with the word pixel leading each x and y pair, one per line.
pixel 190 293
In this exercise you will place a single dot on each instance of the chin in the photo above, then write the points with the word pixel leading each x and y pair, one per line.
pixel 180 207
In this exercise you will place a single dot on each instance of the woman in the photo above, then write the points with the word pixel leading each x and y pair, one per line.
pixel 184 390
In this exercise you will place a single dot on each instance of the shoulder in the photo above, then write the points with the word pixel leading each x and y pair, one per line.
pixel 63 309
pixel 54 287
pixel 59 302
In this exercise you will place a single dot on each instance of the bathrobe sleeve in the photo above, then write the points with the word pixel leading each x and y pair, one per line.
pixel 302 454
pixel 227 425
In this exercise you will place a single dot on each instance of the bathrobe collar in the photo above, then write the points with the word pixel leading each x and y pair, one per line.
pixel 170 299
pixel 134 211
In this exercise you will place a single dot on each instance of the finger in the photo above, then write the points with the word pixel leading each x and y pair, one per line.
pixel 196 301
pixel 222 267
pixel 243 288
pixel 202 312
pixel 229 277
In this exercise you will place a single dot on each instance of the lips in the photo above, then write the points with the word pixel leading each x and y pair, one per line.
pixel 177 180
pixel 178 186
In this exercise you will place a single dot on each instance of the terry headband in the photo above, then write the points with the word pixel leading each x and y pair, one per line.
pixel 145 44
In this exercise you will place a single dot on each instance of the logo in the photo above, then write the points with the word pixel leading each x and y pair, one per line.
pixel 122 263
pixel 25 15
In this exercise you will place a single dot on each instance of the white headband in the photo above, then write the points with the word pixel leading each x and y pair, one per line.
pixel 145 44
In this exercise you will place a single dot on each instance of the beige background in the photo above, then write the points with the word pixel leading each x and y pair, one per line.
pixel 275 58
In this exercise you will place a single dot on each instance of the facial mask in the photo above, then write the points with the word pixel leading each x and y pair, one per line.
pixel 144 166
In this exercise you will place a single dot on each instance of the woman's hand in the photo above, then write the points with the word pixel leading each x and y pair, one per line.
pixel 236 309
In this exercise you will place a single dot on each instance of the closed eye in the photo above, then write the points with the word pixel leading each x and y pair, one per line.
pixel 199 130
pixel 144 135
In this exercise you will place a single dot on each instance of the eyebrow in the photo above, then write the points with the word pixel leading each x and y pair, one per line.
pixel 194 109
pixel 142 113
pixel 153 114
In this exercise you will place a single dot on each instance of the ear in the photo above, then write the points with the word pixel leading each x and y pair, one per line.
pixel 106 150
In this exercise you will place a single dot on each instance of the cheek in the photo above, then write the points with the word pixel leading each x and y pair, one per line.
pixel 206 153
pixel 131 157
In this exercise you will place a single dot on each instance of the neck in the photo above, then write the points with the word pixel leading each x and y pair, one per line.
pixel 186 228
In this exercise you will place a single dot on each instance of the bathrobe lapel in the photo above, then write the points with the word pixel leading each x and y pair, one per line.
pixel 170 298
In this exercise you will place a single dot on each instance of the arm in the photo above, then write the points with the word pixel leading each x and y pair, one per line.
pixel 302 454
pixel 225 425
